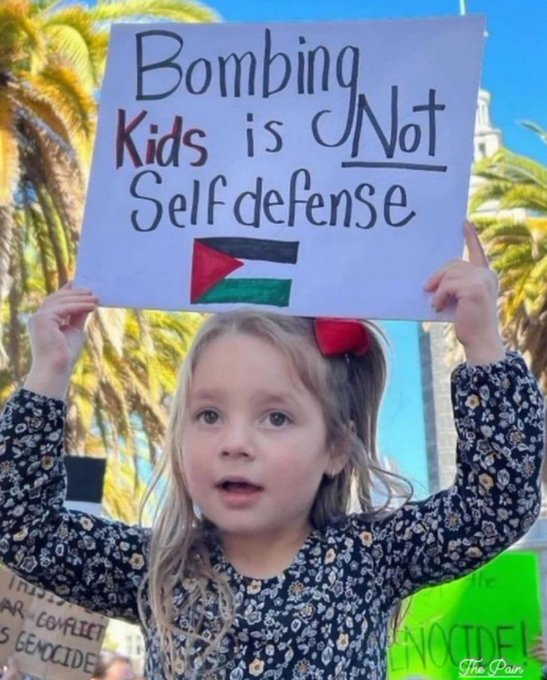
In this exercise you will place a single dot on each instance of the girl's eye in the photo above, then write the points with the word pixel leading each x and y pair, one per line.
pixel 209 417
pixel 278 419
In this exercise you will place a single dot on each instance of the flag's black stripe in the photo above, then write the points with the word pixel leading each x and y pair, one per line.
pixel 254 248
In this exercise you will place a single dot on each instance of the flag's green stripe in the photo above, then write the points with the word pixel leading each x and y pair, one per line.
pixel 255 291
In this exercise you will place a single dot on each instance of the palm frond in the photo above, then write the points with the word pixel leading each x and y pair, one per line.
pixel 42 7
pixel 33 103
pixel 41 253
pixel 112 323
pixel 74 103
pixel 15 329
pixel 533 197
pixel 56 168
pixel 538 276
pixel 62 263
pixel 493 190
pixel 512 167
pixel 506 232
pixel 175 10
pixel 6 239
pixel 21 42
pixel 9 151
pixel 535 128
pixel 74 41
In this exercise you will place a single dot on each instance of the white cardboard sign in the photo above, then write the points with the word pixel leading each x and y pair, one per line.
pixel 307 168
pixel 50 639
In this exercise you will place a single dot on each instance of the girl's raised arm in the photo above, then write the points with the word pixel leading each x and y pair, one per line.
pixel 57 337
pixel 499 419
pixel 87 560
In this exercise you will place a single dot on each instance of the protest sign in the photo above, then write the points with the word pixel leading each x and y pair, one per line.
pixel 308 168
pixel 50 638
pixel 482 625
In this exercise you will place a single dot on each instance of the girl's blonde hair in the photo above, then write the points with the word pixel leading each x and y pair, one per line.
pixel 350 391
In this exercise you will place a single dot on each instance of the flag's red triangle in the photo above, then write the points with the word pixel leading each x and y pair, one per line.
pixel 209 266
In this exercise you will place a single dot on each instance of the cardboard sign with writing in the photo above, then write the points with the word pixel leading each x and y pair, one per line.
pixel 482 625
pixel 307 168
pixel 50 638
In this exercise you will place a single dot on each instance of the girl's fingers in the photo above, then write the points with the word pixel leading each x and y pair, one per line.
pixel 447 283
pixel 445 292
pixel 62 314
pixel 71 309
pixel 64 291
pixel 75 308
pixel 448 270
pixel 433 282
pixel 477 256
pixel 64 298
pixel 68 298
pixel 464 282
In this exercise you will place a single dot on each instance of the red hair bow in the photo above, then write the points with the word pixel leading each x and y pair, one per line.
pixel 341 336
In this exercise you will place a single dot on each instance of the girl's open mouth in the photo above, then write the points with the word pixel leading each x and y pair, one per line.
pixel 240 487
pixel 239 494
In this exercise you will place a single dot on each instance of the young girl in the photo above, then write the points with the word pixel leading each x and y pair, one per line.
pixel 255 567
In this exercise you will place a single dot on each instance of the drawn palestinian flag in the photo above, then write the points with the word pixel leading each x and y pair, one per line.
pixel 215 258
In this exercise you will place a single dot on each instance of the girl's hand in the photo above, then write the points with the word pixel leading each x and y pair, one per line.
pixel 57 337
pixel 474 288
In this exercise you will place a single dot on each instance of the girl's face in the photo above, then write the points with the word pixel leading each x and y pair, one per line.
pixel 254 439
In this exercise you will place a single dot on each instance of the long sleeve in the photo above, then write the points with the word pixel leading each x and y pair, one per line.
pixel 92 562
pixel 496 497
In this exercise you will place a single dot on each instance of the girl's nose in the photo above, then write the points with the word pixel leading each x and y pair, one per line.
pixel 237 441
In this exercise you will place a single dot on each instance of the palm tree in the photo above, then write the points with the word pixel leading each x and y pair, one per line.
pixel 516 237
pixel 51 63
pixel 52 60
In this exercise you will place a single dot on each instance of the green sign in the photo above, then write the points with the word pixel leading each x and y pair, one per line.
pixel 480 626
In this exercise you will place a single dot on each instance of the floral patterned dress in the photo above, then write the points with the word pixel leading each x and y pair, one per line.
pixel 327 615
